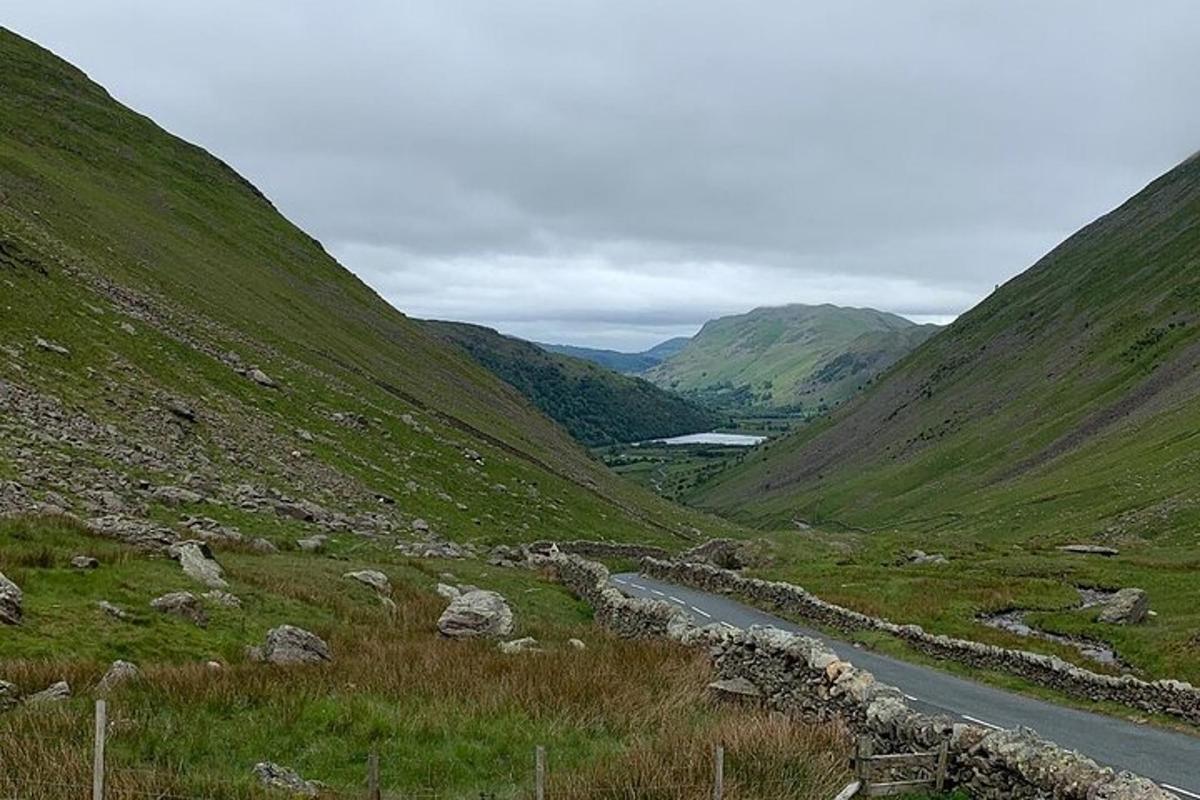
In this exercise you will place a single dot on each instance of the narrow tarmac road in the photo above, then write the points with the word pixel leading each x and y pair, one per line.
pixel 1172 759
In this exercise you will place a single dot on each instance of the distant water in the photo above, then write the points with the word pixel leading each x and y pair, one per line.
pixel 730 439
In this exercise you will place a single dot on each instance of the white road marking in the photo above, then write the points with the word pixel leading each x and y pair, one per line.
pixel 657 592
pixel 982 722
pixel 1171 788
pixel 675 599
pixel 637 586
pixel 619 580
pixel 731 627
pixel 909 697
pixel 702 613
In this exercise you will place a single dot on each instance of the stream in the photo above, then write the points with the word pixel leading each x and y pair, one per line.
pixel 1013 621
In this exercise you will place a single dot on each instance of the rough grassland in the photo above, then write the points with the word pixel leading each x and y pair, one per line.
pixel 458 718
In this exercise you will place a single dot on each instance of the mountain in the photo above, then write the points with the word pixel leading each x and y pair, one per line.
pixel 795 357
pixel 1065 406
pixel 628 363
pixel 596 405
pixel 169 341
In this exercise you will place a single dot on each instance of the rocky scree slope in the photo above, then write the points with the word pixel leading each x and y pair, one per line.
pixel 175 354
pixel 800 357
pixel 596 405
pixel 1065 406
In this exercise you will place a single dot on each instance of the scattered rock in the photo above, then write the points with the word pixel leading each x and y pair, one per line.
pixel 503 555
pixel 181 604
pixel 476 613
pixel 523 645
pixel 288 644
pixel 176 496
pixel 1126 607
pixel 313 544
pixel 262 378
pixel 433 549
pixel 447 591
pixel 54 693
pixel 114 611
pixel 10 602
pixel 921 557
pixel 119 672
pixel 51 347
pixel 420 526
pixel 373 578
pixel 1089 549
pixel 9 697
pixel 273 776
pixel 125 326
pixel 577 644
pixel 261 545
pixel 84 562
pixel 197 561
pixel 224 599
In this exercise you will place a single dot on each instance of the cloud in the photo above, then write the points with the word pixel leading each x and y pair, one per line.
pixel 604 172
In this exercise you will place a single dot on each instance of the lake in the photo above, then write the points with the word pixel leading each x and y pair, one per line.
pixel 729 439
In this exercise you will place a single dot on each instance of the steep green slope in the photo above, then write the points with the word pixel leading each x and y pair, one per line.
pixel 1065 406
pixel 598 406
pixel 144 283
pixel 629 363
pixel 800 357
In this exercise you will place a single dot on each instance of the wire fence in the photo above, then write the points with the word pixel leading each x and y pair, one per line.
pixel 81 768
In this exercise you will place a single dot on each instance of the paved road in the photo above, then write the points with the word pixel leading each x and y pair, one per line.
pixel 1172 759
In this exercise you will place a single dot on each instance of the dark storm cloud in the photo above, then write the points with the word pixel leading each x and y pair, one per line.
pixel 616 172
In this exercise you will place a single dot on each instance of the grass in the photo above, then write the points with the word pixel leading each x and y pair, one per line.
pixel 458 718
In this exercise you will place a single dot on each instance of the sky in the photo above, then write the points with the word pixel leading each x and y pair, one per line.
pixel 614 173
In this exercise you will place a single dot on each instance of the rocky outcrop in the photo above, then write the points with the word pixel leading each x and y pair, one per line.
pixel 10 602
pixel 113 610
pixel 82 562
pixel 524 645
pixel 197 561
pixel 1168 697
pixel 921 557
pixel 434 548
pixel 1126 607
pixel 474 614
pixel 288 644
pixel 181 604
pixel 1089 549
pixel 54 693
pixel 284 779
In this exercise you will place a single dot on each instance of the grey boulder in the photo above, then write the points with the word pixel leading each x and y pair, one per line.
pixel 273 776
pixel 54 693
pixel 288 644
pixel 477 613
pixel 10 602
pixel 118 672
pixel 198 563
pixel 1126 607
pixel 372 578
pixel 84 562
pixel 181 604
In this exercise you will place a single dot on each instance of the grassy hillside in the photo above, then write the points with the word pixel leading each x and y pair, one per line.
pixel 804 358
pixel 628 363
pixel 1064 408
pixel 148 290
pixel 596 405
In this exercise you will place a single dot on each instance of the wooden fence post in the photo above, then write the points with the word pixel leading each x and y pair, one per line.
pixel 373 776
pixel 940 777
pixel 719 772
pixel 98 751
pixel 539 774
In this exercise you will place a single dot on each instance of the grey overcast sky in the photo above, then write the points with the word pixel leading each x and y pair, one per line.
pixel 612 173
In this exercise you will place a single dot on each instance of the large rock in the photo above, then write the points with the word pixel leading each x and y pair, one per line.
pixel 373 578
pixel 84 562
pixel 54 693
pixel 198 563
pixel 1089 549
pixel 1126 607
pixel 273 776
pixel 476 613
pixel 181 604
pixel 118 672
pixel 262 378
pixel 525 645
pixel 10 602
pixel 177 496
pixel 288 644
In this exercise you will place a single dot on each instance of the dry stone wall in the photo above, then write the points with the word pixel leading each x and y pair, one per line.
pixel 797 675
pixel 1172 698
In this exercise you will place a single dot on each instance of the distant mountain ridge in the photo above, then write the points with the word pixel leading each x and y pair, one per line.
pixel 796 357
pixel 598 406
pixel 627 363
